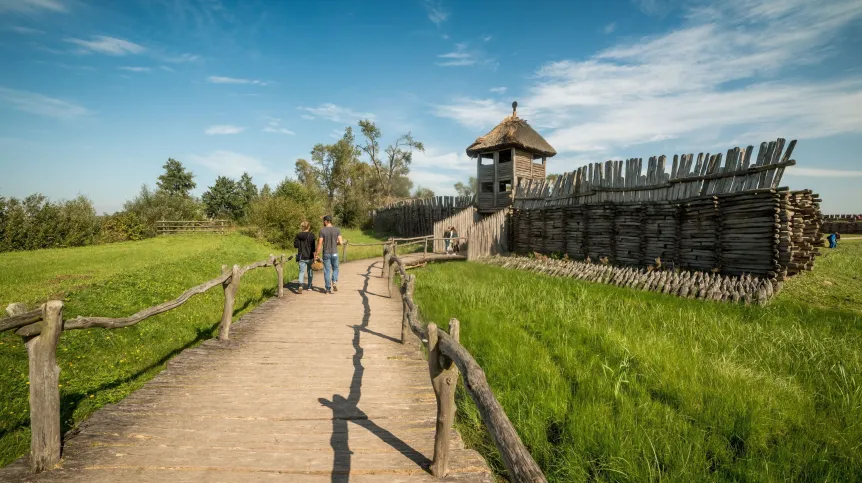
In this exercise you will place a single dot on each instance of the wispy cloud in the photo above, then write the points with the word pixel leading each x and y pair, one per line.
pixel 106 45
pixel 487 38
pixel 279 130
pixel 166 68
pixel 229 163
pixel 179 59
pixel 609 28
pixel 822 173
pixel 721 75
pixel 32 6
pixel 308 117
pixel 459 57
pixel 136 69
pixel 24 30
pixel 336 113
pixel 498 90
pixel 40 104
pixel 435 10
pixel 223 129
pixel 215 79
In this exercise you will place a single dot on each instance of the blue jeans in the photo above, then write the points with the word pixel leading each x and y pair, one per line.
pixel 330 269
pixel 305 266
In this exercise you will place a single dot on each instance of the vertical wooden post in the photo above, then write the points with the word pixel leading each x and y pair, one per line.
pixel 444 378
pixel 279 269
pixel 387 254
pixel 344 252
pixel 231 287
pixel 391 276
pixel 45 390
pixel 406 291
pixel 425 249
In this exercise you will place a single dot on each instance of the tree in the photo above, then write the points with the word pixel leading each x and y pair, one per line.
pixel 151 206
pixel 469 189
pixel 176 181
pixel 266 191
pixel 393 162
pixel 423 193
pixel 224 199
pixel 332 163
pixel 247 189
pixel 307 175
pixel 552 177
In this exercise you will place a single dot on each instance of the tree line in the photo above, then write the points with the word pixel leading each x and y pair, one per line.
pixel 346 179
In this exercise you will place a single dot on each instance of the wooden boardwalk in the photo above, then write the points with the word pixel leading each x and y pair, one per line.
pixel 310 388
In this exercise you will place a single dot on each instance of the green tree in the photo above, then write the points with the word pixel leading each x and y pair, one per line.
pixel 224 199
pixel 423 193
pixel 332 164
pixel 151 206
pixel 469 189
pixel 391 165
pixel 247 189
pixel 176 181
pixel 266 191
pixel 552 177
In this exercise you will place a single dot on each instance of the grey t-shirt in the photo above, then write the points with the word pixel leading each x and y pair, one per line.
pixel 330 235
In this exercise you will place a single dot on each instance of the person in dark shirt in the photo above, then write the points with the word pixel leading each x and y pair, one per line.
pixel 327 246
pixel 305 254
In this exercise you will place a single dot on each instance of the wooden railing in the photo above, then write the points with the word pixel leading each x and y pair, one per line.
pixel 164 227
pixel 446 358
pixel 41 329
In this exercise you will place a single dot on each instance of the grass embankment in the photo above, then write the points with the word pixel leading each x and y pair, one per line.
pixel 611 384
pixel 100 366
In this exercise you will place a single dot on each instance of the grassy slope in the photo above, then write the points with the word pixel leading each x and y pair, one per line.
pixel 611 384
pixel 98 366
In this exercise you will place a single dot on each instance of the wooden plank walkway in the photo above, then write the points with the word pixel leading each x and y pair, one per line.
pixel 310 388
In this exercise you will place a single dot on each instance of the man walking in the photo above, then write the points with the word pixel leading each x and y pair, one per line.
pixel 327 244
pixel 304 243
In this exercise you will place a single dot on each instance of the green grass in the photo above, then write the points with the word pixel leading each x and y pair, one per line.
pixel 100 366
pixel 610 384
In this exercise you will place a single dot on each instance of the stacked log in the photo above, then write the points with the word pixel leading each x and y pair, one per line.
pixel 600 232
pixel 521 231
pixel 628 228
pixel 660 236
pixel 751 232
pixel 576 233
pixel 416 217
pixel 744 289
pixel 698 234
pixel 555 233
pixel 805 236
pixel 537 230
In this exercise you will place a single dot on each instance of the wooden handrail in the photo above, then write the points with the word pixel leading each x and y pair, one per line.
pixel 519 463
pixel 41 330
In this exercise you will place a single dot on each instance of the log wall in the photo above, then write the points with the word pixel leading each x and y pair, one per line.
pixel 416 217
pixel 843 224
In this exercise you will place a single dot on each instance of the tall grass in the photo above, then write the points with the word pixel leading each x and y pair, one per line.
pixel 610 384
pixel 100 366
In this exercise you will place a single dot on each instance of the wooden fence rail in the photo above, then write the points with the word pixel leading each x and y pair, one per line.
pixel 41 330
pixel 446 358
pixel 165 227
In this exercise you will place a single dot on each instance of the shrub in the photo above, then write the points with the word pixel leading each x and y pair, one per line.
pixel 276 218
pixel 152 206
pixel 123 226
pixel 35 222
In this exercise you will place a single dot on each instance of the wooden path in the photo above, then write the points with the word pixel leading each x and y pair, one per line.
pixel 310 388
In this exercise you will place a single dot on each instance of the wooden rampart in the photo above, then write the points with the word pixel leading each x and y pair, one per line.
pixel 41 330
pixel 416 217
pixel 462 221
pixel 843 224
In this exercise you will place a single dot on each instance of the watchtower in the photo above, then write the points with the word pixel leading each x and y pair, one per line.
pixel 512 151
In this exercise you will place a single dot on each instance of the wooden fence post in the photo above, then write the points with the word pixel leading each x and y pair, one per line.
pixel 231 287
pixel 278 263
pixel 387 254
pixel 406 291
pixel 44 389
pixel 425 249
pixel 391 276
pixel 444 378
pixel 344 252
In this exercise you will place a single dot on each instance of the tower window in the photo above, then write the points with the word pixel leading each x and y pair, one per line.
pixel 505 186
pixel 505 156
pixel 486 159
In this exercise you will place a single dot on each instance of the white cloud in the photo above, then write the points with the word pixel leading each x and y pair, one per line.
pixel 822 173
pixel 436 13
pixel 337 113
pixel 728 71
pixel 487 38
pixel 459 57
pixel 280 130
pixel 32 6
pixel 179 59
pixel 106 45
pixel 229 163
pixel 609 28
pixel 498 90
pixel 40 104
pixel 24 30
pixel 136 69
pixel 223 129
pixel 308 117
pixel 215 79
pixel 166 68
pixel 440 171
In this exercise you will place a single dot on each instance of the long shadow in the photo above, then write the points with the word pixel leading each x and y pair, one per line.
pixel 346 410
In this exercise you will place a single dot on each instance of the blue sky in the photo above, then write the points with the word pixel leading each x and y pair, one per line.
pixel 96 95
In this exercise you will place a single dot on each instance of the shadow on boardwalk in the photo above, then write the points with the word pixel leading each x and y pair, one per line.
pixel 346 410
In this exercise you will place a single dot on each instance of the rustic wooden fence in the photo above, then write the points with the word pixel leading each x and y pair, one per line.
pixel 446 359
pixel 41 330
pixel 843 224
pixel 490 236
pixel 192 226
pixel 462 221
pixel 416 217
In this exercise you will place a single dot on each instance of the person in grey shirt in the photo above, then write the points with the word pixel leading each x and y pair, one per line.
pixel 327 245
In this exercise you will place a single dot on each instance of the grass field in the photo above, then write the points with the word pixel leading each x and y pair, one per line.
pixel 99 366
pixel 610 384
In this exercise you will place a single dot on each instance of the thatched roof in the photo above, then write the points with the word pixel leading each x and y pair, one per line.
pixel 512 132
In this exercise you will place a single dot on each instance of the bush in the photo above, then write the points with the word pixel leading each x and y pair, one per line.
pixel 123 226
pixel 153 206
pixel 35 222
pixel 276 218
